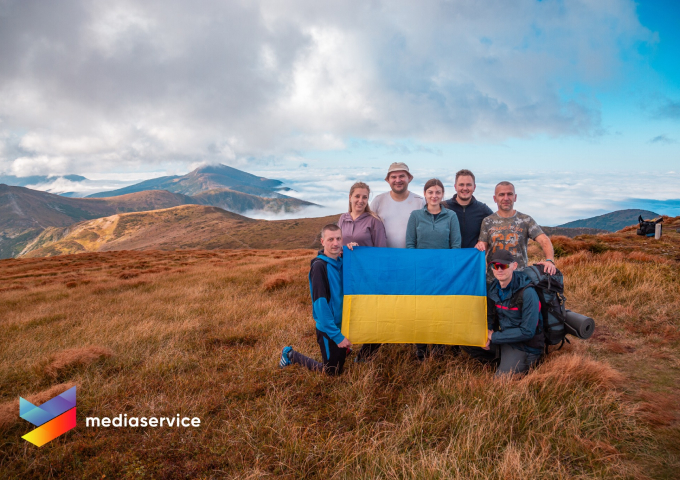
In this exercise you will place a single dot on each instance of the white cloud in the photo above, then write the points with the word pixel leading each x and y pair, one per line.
pixel 552 198
pixel 124 85
pixel 26 166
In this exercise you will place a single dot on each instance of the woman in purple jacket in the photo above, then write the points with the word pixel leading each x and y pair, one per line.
pixel 360 225
pixel 363 227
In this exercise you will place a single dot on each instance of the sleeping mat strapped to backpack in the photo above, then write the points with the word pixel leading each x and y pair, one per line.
pixel 557 320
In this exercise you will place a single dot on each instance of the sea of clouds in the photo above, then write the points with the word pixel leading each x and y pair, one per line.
pixel 552 198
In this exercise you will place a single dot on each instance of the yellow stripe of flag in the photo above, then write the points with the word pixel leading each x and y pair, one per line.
pixel 437 319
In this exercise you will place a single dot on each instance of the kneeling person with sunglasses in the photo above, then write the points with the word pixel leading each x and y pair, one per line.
pixel 513 318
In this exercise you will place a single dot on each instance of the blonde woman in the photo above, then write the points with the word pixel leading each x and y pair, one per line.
pixel 360 225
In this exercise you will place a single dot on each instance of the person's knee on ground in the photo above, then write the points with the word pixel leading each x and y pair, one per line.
pixel 333 369
pixel 515 361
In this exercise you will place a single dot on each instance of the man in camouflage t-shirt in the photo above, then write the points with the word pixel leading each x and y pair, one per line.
pixel 508 229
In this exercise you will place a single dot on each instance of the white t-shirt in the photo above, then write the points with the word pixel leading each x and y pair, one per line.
pixel 395 216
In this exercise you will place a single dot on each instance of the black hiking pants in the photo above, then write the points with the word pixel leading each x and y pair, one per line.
pixel 367 350
pixel 333 356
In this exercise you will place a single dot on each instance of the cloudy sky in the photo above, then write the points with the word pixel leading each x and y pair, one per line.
pixel 577 99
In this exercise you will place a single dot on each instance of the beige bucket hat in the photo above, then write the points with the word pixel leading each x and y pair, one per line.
pixel 398 167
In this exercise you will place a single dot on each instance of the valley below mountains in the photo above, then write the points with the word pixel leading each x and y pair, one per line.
pixel 26 214
pixel 183 227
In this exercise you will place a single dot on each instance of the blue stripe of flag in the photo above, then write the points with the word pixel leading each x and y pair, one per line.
pixel 400 271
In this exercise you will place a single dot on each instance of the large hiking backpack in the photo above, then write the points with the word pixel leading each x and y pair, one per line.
pixel 550 290
pixel 648 228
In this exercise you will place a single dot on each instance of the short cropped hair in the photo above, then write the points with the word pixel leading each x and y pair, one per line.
pixel 433 182
pixel 331 227
pixel 465 173
pixel 504 184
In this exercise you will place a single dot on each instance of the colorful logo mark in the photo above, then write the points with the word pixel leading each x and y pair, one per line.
pixel 54 417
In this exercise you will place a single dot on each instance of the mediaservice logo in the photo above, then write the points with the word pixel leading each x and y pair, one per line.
pixel 58 415
pixel 53 418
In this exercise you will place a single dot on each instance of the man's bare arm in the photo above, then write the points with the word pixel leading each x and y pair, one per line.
pixel 546 245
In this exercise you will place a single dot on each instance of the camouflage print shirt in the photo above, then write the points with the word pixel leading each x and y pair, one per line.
pixel 510 234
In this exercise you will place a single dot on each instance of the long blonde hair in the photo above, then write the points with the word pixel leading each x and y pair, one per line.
pixel 368 208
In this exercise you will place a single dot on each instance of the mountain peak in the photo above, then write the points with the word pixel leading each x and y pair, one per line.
pixel 234 176
pixel 200 180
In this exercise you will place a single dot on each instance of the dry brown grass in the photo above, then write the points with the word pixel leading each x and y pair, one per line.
pixel 199 333
pixel 73 358
pixel 275 282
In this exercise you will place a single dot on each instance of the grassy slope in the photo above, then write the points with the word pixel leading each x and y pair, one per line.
pixel 25 213
pixel 31 208
pixel 571 232
pixel 189 226
pixel 199 333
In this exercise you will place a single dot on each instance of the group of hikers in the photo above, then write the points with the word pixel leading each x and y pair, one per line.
pixel 400 218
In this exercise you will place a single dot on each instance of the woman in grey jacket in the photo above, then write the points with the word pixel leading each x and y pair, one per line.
pixel 432 227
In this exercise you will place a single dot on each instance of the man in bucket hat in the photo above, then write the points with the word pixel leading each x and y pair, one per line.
pixel 515 338
pixel 394 208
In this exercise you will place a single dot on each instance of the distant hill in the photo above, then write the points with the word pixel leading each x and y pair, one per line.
pixel 184 227
pixel 221 186
pixel 15 181
pixel 24 213
pixel 572 232
pixel 612 221
pixel 237 201
pixel 201 180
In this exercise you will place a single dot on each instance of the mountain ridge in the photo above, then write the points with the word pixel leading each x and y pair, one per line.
pixel 612 221
pixel 202 179
pixel 25 213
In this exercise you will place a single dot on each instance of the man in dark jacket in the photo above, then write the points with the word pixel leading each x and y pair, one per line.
pixel 470 212
pixel 325 286
pixel 513 318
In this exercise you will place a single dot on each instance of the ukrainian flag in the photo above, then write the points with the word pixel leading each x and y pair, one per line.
pixel 395 295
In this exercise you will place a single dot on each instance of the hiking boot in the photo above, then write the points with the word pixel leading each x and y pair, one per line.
pixel 285 358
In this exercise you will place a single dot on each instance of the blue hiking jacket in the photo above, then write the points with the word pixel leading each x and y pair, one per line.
pixel 519 323
pixel 325 286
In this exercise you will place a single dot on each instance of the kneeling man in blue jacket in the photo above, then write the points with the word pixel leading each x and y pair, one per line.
pixel 325 285
pixel 513 318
